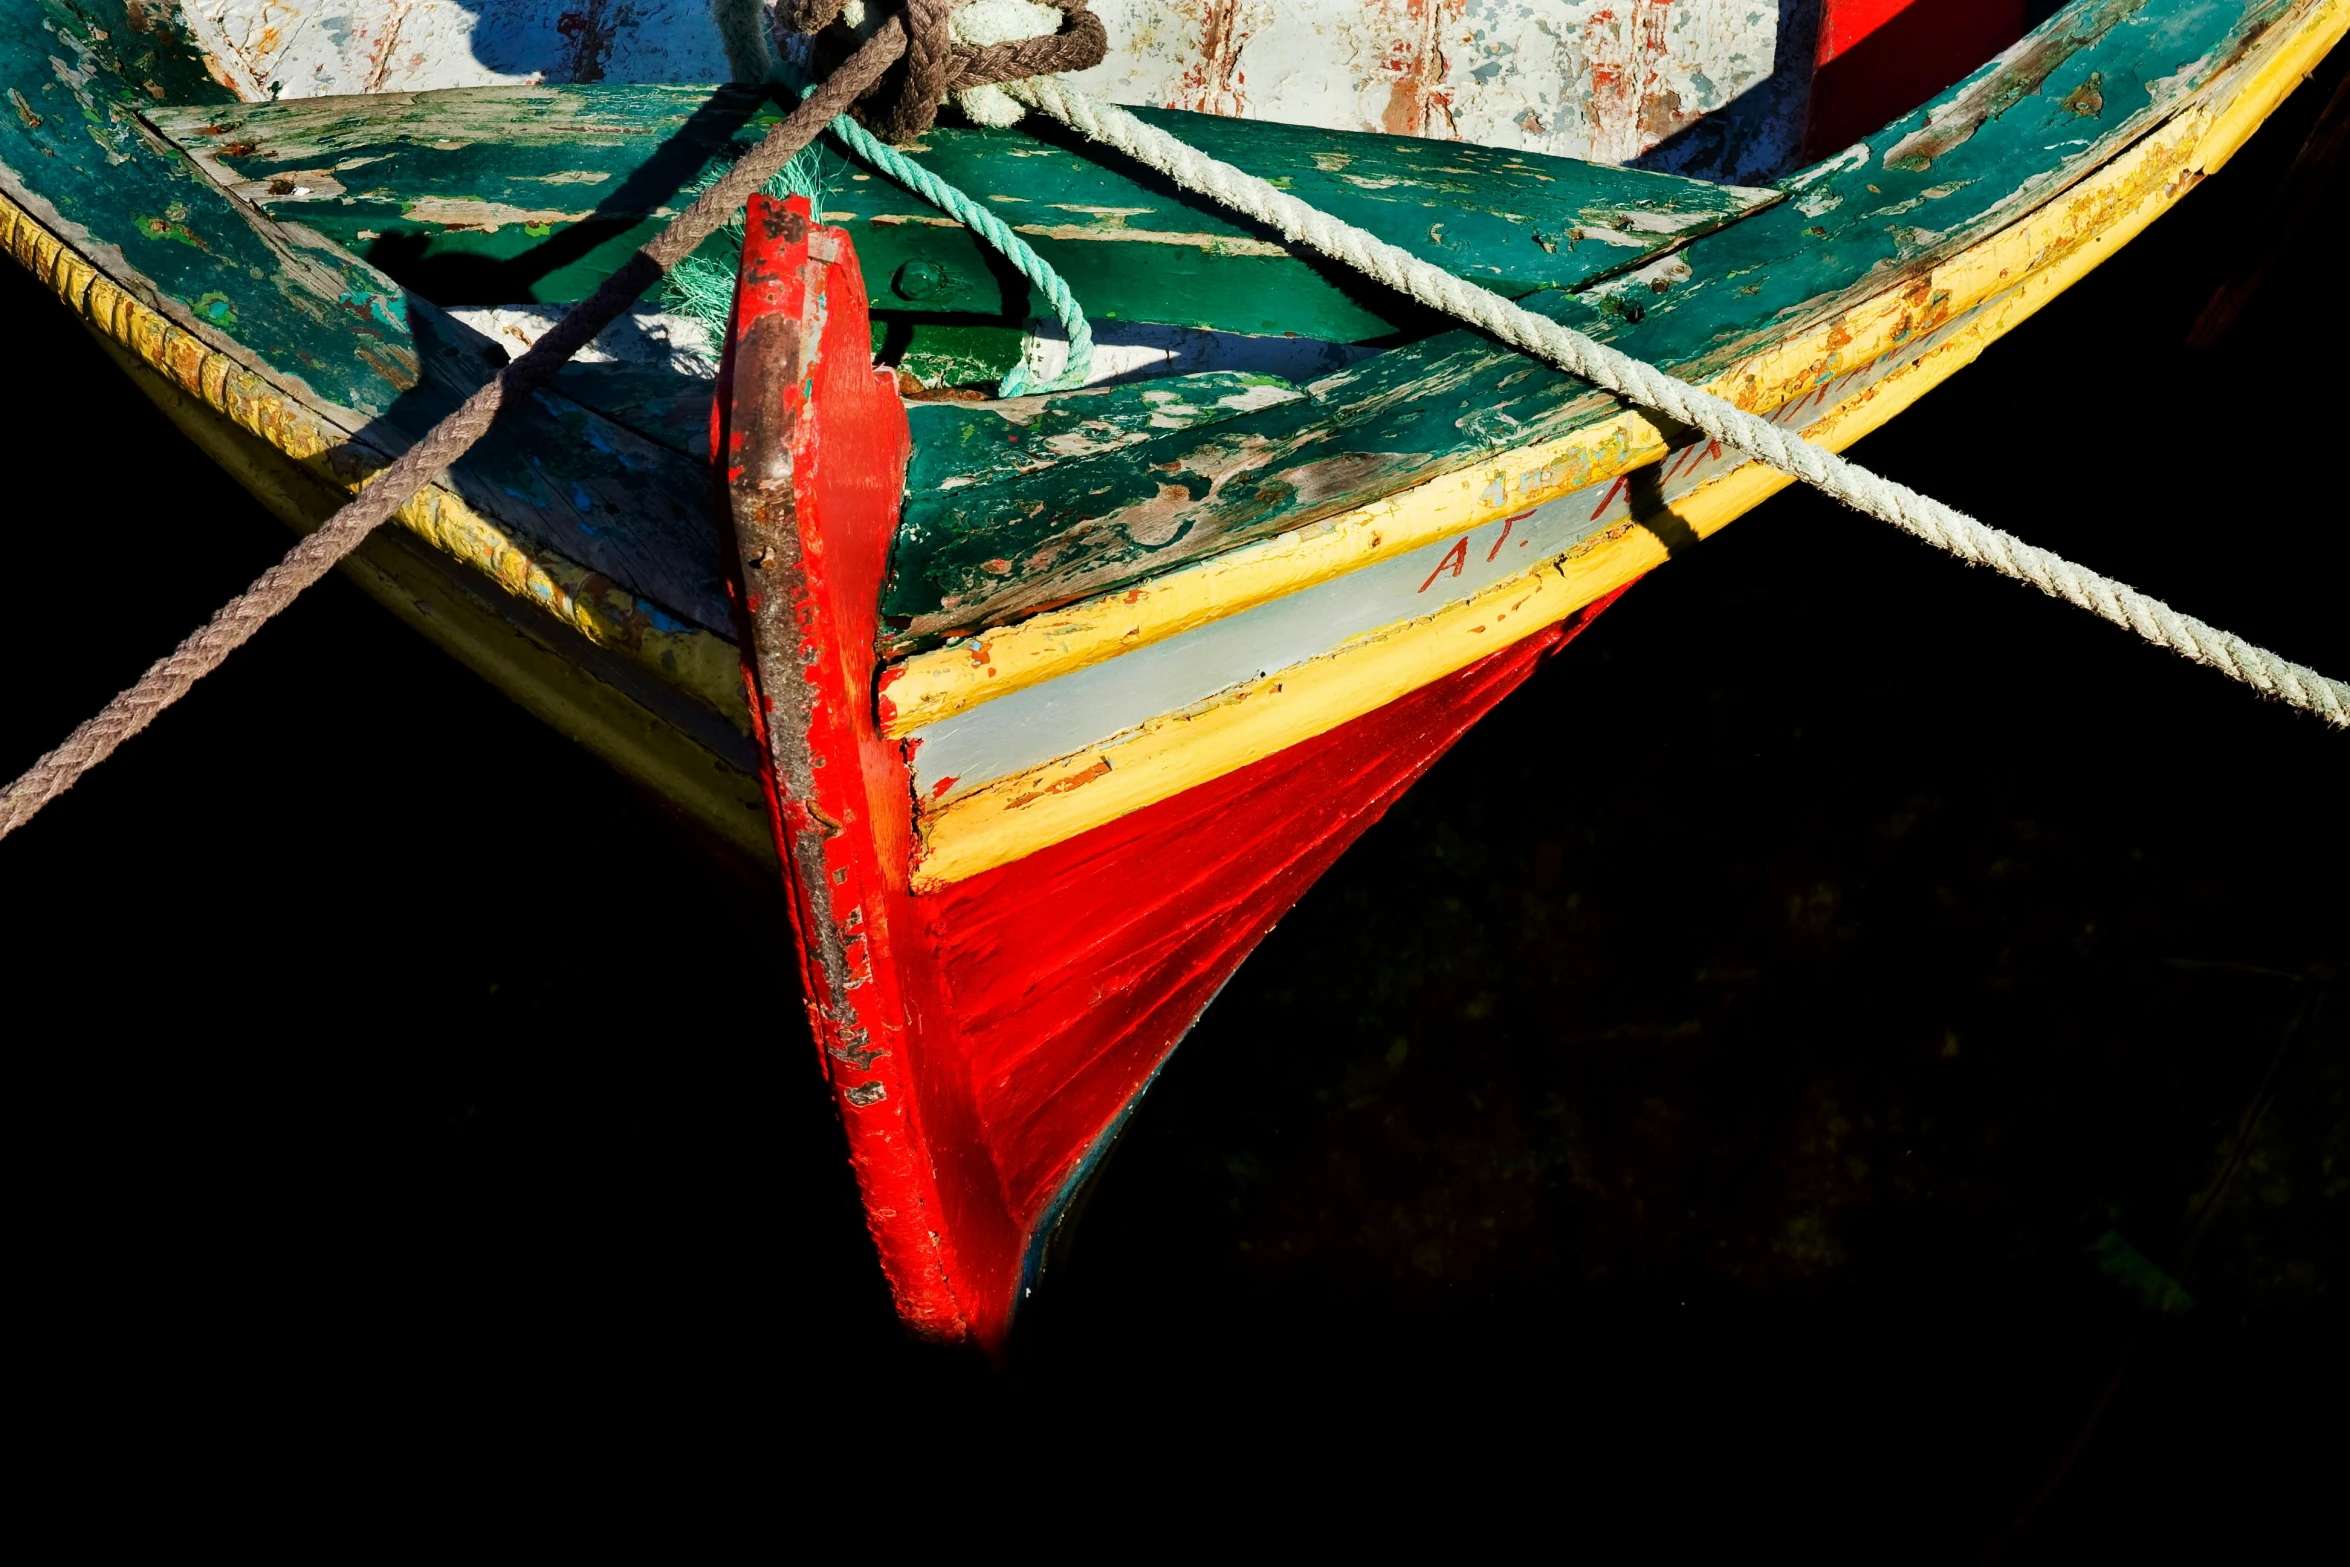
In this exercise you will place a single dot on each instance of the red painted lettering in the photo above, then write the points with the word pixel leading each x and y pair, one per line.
pixel 1456 558
pixel 1623 483
pixel 1507 523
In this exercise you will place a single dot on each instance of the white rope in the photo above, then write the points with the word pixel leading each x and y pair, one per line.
pixel 1925 518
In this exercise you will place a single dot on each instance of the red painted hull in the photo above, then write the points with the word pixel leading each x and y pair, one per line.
pixel 1072 974
pixel 1878 59
pixel 985 1041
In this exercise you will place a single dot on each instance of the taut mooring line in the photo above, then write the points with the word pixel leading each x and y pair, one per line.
pixel 1921 516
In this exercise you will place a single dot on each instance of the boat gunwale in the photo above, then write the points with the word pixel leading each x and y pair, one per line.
pixel 1012 817
pixel 698 662
pixel 1730 345
pixel 930 686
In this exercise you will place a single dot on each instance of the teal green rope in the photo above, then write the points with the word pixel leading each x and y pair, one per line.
pixel 996 232
pixel 703 287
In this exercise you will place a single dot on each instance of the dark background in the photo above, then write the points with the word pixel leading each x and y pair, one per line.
pixel 1704 1104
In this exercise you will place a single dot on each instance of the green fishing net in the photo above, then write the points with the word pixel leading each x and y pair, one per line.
pixel 702 285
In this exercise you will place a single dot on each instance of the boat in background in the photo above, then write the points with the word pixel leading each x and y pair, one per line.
pixel 1060 701
pixel 1602 80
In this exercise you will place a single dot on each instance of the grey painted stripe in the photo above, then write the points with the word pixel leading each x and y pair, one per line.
pixel 1040 723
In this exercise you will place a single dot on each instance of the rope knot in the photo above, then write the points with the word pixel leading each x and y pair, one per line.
pixel 960 55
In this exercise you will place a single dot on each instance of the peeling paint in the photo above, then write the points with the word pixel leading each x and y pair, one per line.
pixel 1605 80
pixel 269 49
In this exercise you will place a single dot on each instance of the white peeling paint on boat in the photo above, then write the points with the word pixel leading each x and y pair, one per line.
pixel 1605 80
pixel 264 49
pixel 1037 724
pixel 678 343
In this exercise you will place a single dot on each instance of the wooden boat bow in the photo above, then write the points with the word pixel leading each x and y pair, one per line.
pixel 1058 703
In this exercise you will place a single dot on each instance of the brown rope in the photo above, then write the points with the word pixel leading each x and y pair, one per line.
pixel 170 678
pixel 1080 45
pixel 936 66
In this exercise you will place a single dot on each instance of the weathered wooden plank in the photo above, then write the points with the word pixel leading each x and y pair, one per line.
pixel 74 152
pixel 1853 226
pixel 2051 109
pixel 475 196
pixel 597 491
pixel 332 334
pixel 1056 718
pixel 974 554
pixel 149 46
pixel 497 196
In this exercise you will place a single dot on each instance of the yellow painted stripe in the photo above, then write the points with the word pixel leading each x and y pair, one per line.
pixel 932 686
pixel 698 663
pixel 1017 816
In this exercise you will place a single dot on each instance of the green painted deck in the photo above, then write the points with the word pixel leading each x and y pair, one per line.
pixel 2015 135
pixel 499 196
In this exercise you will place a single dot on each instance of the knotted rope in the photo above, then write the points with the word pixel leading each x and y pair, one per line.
pixel 1921 516
pixel 935 65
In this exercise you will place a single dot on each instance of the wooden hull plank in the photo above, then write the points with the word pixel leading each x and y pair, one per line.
pixel 500 196
pixel 487 195
pixel 76 155
pixel 371 366
pixel 1037 724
